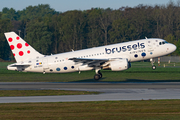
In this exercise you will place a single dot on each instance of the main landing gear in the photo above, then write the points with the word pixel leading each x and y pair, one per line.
pixel 152 62
pixel 98 74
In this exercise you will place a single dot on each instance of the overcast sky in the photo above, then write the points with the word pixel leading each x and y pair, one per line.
pixel 65 5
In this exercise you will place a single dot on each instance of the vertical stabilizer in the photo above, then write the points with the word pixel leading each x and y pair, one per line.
pixel 21 50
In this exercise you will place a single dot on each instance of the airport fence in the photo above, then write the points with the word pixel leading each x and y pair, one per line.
pixel 168 59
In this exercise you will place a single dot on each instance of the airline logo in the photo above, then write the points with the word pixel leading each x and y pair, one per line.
pixel 125 48
pixel 39 63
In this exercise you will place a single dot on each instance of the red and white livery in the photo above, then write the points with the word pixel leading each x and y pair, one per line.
pixel 116 57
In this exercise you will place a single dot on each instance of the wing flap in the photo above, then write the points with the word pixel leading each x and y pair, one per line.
pixel 91 62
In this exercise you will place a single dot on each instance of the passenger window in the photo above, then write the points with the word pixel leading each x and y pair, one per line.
pixel 159 43
pixel 163 42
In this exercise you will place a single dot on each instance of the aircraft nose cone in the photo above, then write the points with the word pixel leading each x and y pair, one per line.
pixel 173 48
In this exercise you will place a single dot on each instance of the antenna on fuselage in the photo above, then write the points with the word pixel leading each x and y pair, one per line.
pixel 146 37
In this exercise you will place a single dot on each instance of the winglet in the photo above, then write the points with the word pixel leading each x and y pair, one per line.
pixel 21 50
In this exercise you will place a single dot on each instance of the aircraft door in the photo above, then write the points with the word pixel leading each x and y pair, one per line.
pixel 150 45
pixel 45 64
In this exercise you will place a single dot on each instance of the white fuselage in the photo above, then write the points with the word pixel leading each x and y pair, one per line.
pixel 133 51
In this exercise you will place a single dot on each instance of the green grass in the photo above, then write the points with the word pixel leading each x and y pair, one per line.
pixel 7 93
pixel 116 110
pixel 108 110
pixel 140 71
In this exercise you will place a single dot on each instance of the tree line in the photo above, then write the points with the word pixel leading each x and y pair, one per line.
pixel 51 32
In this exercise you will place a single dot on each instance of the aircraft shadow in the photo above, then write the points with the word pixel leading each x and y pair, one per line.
pixel 91 80
pixel 102 80
pixel 137 80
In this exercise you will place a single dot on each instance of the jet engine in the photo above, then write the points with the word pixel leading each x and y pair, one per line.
pixel 119 64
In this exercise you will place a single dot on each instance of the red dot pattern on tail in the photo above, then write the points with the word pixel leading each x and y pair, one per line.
pixel 21 53
pixel 17 37
pixel 26 44
pixel 28 51
pixel 10 39
pixel 19 45
pixel 12 47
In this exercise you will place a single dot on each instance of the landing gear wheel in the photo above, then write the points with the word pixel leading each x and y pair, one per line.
pixel 100 74
pixel 153 67
pixel 97 76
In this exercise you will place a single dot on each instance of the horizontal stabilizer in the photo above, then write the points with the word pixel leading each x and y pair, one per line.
pixel 19 64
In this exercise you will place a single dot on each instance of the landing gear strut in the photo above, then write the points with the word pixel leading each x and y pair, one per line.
pixel 152 62
pixel 98 74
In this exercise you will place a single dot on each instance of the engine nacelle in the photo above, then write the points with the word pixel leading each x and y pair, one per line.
pixel 120 64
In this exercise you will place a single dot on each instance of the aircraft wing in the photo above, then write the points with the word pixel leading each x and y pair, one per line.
pixel 91 62
pixel 19 64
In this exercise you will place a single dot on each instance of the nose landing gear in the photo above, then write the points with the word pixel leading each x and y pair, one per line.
pixel 153 67
pixel 152 62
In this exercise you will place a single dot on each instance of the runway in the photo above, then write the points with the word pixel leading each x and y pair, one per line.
pixel 109 91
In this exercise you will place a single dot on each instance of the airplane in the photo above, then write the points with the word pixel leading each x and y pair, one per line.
pixel 116 57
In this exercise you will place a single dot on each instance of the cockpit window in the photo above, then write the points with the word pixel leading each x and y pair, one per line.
pixel 163 42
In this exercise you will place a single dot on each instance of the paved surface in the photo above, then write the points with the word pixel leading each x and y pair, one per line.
pixel 111 91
